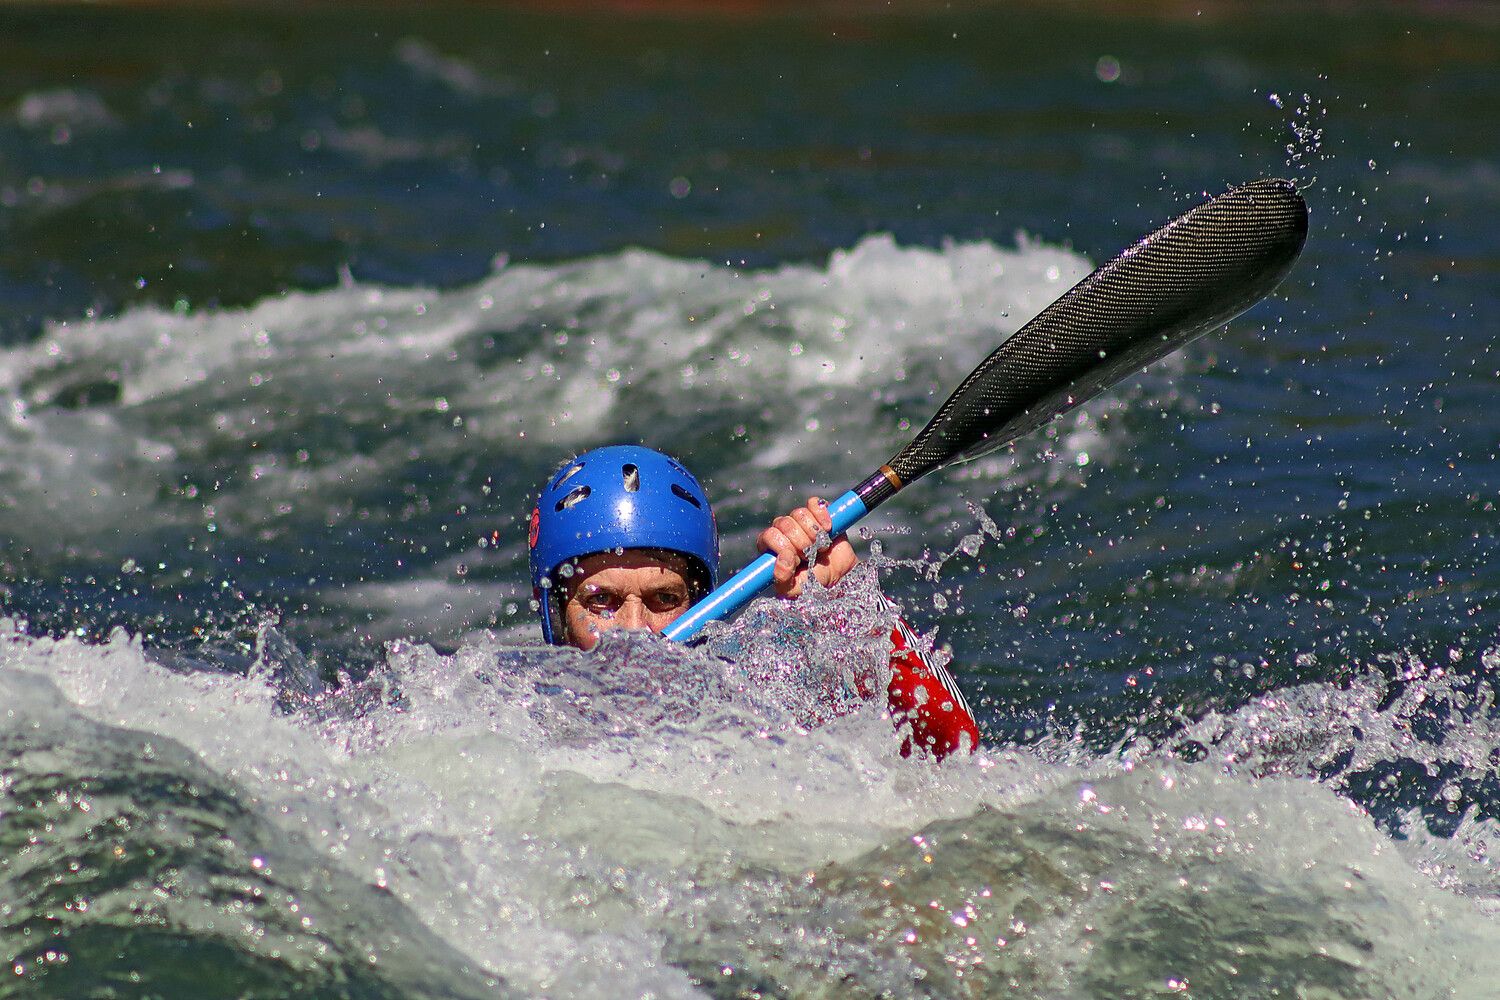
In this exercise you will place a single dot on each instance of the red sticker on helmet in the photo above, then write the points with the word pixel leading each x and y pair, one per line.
pixel 536 525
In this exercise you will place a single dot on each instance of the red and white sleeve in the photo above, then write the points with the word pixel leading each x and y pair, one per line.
pixel 924 695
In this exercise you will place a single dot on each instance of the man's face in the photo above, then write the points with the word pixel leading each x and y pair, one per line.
pixel 634 589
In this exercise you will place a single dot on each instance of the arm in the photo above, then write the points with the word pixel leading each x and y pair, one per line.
pixel 924 694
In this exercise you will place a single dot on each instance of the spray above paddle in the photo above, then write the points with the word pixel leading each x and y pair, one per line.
pixel 1193 275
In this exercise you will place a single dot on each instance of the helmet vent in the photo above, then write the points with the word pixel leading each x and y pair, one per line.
pixel 573 497
pixel 565 475
pixel 632 477
pixel 684 494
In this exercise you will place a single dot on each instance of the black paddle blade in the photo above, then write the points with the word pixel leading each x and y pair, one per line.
pixel 1191 276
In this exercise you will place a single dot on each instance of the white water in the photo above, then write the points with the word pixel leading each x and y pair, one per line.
pixel 97 412
pixel 380 415
pixel 570 837
pixel 646 820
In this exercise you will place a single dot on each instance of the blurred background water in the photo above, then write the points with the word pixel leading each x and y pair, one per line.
pixel 298 307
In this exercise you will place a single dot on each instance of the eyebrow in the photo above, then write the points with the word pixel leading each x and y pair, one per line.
pixel 589 587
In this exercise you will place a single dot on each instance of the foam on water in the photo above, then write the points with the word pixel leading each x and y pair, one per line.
pixel 391 430
pixel 643 820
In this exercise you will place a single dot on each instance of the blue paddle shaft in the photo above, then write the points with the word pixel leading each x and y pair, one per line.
pixel 737 591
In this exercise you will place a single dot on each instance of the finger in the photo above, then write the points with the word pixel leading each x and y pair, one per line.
pixel 788 556
pixel 795 529
pixel 808 522
pixel 820 513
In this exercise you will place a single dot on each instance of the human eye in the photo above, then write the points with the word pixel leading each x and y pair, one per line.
pixel 600 602
pixel 667 599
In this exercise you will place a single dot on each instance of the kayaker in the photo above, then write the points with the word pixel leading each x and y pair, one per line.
pixel 625 537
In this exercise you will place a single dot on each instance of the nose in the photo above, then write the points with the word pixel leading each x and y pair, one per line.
pixel 631 614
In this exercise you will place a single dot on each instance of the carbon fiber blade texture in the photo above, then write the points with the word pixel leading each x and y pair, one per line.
pixel 1191 276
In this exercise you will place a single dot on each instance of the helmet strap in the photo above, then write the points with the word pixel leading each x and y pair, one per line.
pixel 552 606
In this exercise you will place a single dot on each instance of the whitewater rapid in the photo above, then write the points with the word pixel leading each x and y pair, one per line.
pixel 525 821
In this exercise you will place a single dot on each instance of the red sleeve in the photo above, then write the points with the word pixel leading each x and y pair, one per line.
pixel 925 695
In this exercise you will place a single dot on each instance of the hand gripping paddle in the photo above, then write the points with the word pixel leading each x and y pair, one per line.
pixel 1193 275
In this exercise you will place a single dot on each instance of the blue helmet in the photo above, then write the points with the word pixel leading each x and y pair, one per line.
pixel 619 497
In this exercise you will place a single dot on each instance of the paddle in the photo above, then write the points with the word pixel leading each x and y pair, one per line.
pixel 1193 275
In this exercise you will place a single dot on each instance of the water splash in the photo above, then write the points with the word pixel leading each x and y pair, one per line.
pixel 1306 122
pixel 642 818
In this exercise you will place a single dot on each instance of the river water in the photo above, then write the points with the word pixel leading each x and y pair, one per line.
pixel 299 309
